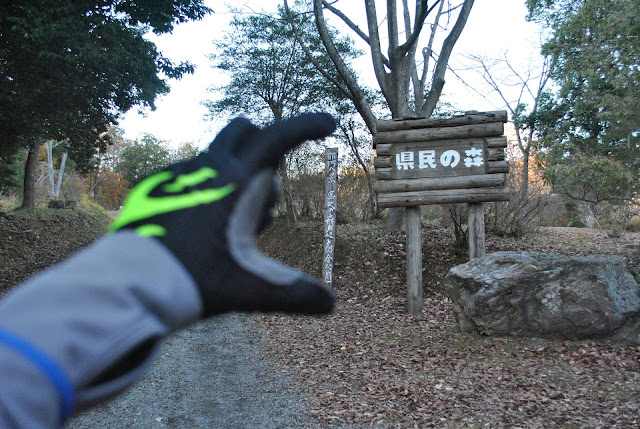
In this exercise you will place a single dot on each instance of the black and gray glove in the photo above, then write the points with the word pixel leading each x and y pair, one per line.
pixel 207 210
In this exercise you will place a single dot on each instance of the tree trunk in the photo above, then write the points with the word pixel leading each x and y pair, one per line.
pixel 49 146
pixel 526 154
pixel 396 218
pixel 525 174
pixel 286 188
pixel 29 192
pixel 60 175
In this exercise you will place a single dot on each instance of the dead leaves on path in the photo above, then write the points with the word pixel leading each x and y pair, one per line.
pixel 371 364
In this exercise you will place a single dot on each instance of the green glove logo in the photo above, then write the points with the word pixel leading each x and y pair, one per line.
pixel 139 205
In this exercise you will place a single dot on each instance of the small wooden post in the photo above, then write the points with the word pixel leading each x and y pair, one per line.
pixel 414 260
pixel 476 230
pixel 331 204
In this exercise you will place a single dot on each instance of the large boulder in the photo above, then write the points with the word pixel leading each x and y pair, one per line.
pixel 546 295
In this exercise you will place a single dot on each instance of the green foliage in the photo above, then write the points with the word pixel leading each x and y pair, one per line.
pixel 11 172
pixel 142 158
pixel 185 151
pixel 591 178
pixel 271 78
pixel 99 218
pixel 595 117
pixel 68 69
pixel 89 207
pixel 572 216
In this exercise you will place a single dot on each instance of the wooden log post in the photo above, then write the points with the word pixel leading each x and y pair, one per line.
pixel 331 204
pixel 476 231
pixel 414 260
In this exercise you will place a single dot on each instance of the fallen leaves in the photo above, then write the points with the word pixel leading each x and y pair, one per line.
pixel 33 241
pixel 370 363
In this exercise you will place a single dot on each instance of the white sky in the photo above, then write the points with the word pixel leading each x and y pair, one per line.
pixel 494 27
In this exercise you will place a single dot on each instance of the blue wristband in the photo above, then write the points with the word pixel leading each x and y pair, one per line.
pixel 55 374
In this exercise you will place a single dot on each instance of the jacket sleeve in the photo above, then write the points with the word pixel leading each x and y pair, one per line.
pixel 82 331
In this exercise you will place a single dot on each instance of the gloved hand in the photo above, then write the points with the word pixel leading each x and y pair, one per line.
pixel 207 210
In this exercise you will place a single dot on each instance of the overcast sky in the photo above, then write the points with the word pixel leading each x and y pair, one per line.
pixel 495 27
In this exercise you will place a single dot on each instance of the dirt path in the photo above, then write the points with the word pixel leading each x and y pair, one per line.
pixel 209 376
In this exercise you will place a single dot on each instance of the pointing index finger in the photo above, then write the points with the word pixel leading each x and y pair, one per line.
pixel 279 138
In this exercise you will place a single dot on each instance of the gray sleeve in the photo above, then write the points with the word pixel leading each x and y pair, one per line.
pixel 87 328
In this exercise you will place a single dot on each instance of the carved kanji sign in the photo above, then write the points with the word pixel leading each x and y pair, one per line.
pixel 433 161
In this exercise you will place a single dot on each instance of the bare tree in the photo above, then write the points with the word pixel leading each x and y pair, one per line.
pixel 55 182
pixel 407 92
pixel 350 135
pixel 517 89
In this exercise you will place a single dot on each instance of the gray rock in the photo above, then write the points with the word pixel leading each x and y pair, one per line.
pixel 546 295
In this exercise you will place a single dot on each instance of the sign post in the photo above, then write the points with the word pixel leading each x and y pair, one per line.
pixel 440 161
pixel 414 260
pixel 331 204
pixel 476 230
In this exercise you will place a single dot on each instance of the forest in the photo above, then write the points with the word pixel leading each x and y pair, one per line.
pixel 69 71
pixel 573 133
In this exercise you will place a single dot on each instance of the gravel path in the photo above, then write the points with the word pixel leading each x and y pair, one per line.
pixel 211 375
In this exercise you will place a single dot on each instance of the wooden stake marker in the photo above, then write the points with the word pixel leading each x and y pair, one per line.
pixel 440 161
pixel 331 203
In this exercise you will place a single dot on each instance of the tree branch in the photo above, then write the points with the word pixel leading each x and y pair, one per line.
pixel 426 52
pixel 392 29
pixel 417 28
pixel 443 60
pixel 342 88
pixel 356 94
pixel 418 90
pixel 376 51
pixel 352 25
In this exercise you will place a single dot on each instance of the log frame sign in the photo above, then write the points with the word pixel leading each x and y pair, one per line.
pixel 440 161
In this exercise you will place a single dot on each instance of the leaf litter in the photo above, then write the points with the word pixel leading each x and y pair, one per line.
pixel 370 363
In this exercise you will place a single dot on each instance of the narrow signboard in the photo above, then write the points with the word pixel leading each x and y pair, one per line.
pixel 331 204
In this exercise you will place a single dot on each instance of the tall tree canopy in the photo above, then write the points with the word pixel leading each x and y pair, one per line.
pixel 271 78
pixel 142 158
pixel 596 48
pixel 68 69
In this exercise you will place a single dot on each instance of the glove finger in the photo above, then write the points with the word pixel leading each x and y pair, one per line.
pixel 304 296
pixel 267 285
pixel 229 140
pixel 277 139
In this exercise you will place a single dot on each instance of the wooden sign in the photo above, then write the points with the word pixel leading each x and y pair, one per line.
pixel 446 159
pixel 331 204
pixel 440 161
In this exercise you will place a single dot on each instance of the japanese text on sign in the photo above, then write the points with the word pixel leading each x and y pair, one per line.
pixel 449 158
pixel 331 185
